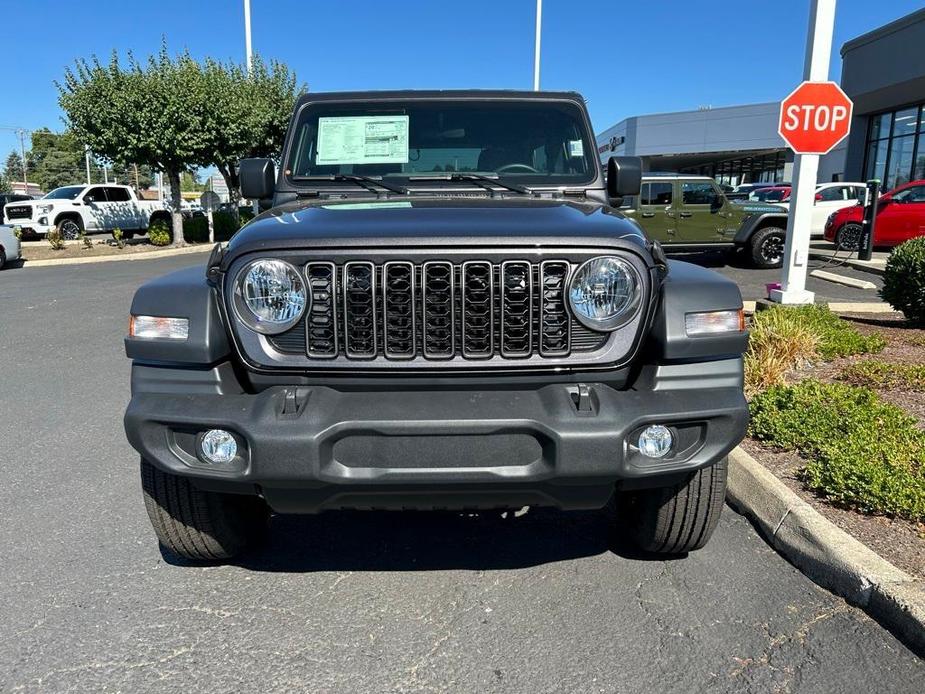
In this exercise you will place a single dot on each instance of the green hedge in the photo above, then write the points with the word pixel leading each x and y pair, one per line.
pixel 904 279
pixel 862 452
pixel 195 229
pixel 836 337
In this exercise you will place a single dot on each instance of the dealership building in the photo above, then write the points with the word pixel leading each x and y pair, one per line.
pixel 883 72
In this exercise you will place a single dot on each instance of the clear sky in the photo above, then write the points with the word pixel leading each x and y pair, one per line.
pixel 626 57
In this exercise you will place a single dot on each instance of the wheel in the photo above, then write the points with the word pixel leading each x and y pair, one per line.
pixel 676 519
pixel 848 238
pixel 70 228
pixel 200 525
pixel 126 235
pixel 767 247
pixel 2 258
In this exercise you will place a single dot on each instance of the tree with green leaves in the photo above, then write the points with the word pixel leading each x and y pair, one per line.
pixel 248 113
pixel 12 169
pixel 149 112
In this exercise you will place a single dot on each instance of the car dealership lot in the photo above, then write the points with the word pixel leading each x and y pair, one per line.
pixel 353 601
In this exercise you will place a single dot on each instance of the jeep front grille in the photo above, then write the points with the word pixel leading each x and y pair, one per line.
pixel 438 310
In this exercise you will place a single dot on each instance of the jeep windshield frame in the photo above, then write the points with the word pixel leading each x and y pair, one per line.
pixel 519 140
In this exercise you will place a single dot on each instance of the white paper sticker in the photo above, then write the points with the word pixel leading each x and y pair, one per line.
pixel 362 140
pixel 576 148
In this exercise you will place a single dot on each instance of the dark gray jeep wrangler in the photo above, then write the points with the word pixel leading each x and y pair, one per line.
pixel 441 308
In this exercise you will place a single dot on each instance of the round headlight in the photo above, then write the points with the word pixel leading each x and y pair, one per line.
pixel 269 296
pixel 604 293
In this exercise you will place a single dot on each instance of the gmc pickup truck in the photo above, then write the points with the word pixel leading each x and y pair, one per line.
pixel 441 308
pixel 77 209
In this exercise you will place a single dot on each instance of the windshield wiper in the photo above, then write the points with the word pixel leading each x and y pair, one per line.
pixel 479 179
pixel 365 181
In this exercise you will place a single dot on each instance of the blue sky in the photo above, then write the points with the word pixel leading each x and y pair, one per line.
pixel 627 58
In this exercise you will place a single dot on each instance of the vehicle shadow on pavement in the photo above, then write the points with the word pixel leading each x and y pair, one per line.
pixel 433 540
pixel 712 258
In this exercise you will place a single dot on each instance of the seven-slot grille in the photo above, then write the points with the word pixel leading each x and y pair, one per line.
pixel 438 310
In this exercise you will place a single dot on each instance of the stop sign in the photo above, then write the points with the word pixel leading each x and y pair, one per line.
pixel 815 117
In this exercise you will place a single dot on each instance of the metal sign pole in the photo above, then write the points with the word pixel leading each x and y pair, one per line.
pixel 806 166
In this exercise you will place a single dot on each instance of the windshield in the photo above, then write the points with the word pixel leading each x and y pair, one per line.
pixel 532 142
pixel 66 193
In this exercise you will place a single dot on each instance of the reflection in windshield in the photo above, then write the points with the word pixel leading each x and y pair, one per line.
pixel 66 193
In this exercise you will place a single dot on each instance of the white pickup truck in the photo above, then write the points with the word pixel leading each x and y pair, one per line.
pixel 95 208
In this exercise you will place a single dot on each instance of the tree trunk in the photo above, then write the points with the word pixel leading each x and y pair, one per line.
pixel 229 172
pixel 176 207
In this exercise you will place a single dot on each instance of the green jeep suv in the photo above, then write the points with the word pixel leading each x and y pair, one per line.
pixel 692 212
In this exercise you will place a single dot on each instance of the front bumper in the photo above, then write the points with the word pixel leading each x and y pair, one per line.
pixel 307 449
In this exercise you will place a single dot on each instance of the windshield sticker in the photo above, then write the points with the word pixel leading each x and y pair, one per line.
pixel 362 140
pixel 576 148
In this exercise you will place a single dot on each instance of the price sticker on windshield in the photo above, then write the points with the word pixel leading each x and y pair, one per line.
pixel 362 140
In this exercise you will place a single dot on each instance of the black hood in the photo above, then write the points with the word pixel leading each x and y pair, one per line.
pixel 434 223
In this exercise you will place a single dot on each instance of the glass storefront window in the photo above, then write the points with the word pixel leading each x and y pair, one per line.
pixel 880 126
pixel 899 170
pixel 905 122
pixel 896 147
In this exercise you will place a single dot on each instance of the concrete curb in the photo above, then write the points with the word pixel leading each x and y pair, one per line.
pixel 837 306
pixel 841 279
pixel 827 554
pixel 150 255
pixel 873 267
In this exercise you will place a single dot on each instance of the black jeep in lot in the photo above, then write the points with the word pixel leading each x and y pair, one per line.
pixel 441 308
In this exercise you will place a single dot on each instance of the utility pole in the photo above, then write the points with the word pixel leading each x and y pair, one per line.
pixel 87 161
pixel 806 166
pixel 25 167
pixel 536 46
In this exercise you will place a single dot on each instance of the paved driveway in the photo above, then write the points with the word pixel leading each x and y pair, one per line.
pixel 350 601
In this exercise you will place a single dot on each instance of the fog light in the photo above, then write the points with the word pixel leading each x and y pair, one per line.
pixel 218 446
pixel 655 441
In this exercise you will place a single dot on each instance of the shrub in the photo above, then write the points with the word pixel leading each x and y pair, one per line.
pixel 88 244
pixel 17 232
pixel 159 233
pixel 777 344
pixel 196 230
pixel 880 374
pixel 225 225
pixel 862 452
pixel 904 279
pixel 117 237
pixel 55 239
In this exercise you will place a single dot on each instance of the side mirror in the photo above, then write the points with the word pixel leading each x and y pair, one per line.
pixel 258 178
pixel 624 177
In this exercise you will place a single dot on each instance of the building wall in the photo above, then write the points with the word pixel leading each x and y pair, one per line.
pixel 882 70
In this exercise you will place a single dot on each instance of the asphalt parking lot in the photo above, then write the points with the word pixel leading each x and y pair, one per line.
pixel 752 282
pixel 351 601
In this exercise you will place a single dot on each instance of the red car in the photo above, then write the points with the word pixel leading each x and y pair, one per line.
pixel 900 217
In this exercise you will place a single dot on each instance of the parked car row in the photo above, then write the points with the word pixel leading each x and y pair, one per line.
pixel 900 217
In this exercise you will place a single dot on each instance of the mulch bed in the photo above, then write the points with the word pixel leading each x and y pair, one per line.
pixel 900 542
pixel 80 251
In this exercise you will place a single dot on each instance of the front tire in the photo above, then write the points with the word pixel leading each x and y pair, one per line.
pixel 767 247
pixel 200 525
pixel 70 228
pixel 2 258
pixel 848 237
pixel 676 519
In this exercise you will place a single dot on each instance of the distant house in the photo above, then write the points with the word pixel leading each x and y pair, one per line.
pixel 21 188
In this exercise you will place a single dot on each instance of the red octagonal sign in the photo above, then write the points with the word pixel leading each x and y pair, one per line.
pixel 815 117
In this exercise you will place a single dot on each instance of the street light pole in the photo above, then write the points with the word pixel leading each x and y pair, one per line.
pixel 248 50
pixel 247 35
pixel 806 166
pixel 536 46
pixel 87 161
